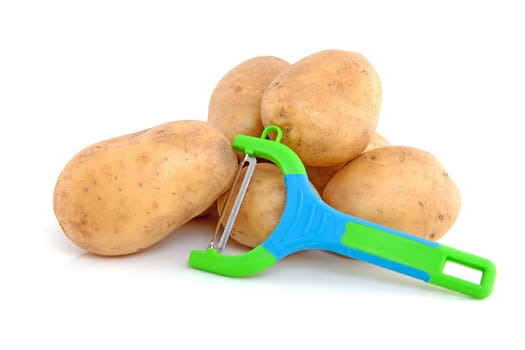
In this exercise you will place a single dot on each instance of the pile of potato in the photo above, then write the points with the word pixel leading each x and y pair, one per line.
pixel 123 195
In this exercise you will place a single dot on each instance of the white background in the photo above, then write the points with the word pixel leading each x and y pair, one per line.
pixel 73 73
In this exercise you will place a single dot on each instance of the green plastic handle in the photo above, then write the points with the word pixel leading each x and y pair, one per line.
pixel 276 152
pixel 421 258
pixel 246 264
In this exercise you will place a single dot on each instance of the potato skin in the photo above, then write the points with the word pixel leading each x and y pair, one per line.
pixel 235 104
pixel 327 105
pixel 404 188
pixel 376 141
pixel 319 176
pixel 125 194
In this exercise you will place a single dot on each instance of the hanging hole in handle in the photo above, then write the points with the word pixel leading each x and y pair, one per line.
pixel 272 128
pixel 463 272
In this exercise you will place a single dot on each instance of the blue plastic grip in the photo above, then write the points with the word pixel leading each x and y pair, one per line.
pixel 309 223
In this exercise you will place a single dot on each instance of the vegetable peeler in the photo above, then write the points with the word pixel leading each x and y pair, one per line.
pixel 310 223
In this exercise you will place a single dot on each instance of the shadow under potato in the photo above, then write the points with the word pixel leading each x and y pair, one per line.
pixel 311 269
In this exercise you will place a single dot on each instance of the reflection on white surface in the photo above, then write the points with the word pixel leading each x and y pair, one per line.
pixel 315 270
pixel 117 298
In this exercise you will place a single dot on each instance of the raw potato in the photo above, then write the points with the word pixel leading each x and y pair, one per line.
pixel 210 211
pixel 404 188
pixel 376 141
pixel 262 207
pixel 236 101
pixel 327 105
pixel 319 176
pixel 125 194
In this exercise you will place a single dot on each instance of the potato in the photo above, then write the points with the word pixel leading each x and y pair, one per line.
pixel 404 188
pixel 125 194
pixel 234 106
pixel 376 141
pixel 210 211
pixel 262 207
pixel 327 105
pixel 319 176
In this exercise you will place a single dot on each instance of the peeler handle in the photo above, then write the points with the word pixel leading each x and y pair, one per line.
pixel 417 257
pixel 310 223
